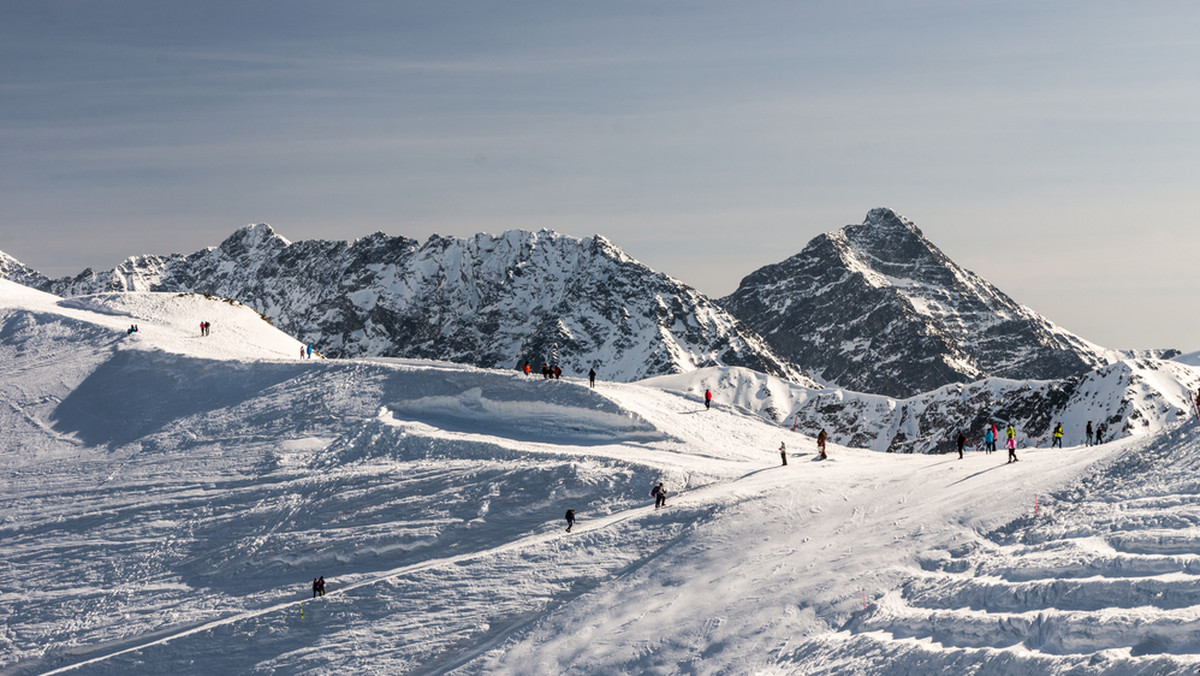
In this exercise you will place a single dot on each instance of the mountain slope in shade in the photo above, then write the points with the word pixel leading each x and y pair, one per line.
pixel 876 307
pixel 488 300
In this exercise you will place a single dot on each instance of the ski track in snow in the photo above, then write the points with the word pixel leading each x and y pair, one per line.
pixel 169 497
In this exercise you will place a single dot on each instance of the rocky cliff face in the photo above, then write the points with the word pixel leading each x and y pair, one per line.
pixel 876 307
pixel 489 300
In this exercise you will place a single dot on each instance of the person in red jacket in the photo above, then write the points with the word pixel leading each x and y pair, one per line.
pixel 707 399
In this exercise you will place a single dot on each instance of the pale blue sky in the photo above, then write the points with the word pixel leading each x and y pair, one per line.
pixel 1050 147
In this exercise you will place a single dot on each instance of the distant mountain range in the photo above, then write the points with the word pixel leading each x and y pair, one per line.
pixel 489 300
pixel 872 307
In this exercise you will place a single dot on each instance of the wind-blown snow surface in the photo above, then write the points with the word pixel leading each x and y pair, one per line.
pixel 167 499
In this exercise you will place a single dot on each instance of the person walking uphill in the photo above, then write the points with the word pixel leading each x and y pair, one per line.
pixel 660 495
pixel 707 399
pixel 570 519
pixel 1012 443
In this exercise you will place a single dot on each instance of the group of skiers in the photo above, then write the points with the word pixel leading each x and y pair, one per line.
pixel 554 372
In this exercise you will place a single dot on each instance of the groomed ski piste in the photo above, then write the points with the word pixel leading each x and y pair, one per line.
pixel 169 497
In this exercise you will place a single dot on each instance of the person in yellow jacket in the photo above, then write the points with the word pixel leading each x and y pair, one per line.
pixel 1012 443
pixel 1057 436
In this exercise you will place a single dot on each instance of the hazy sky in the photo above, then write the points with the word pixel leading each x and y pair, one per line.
pixel 1051 147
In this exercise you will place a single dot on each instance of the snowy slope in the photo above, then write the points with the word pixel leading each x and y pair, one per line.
pixel 170 497
pixel 488 300
pixel 876 307
pixel 1131 398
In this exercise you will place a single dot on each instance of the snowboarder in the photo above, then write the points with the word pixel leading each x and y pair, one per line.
pixel 962 441
pixel 783 452
pixel 1012 443
pixel 989 439
pixel 1057 436
pixel 821 443
pixel 570 519
pixel 591 377
pixel 707 399
pixel 1090 434
pixel 660 495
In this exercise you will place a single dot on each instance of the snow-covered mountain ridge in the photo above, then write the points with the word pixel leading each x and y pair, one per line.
pixel 1137 398
pixel 489 300
pixel 876 307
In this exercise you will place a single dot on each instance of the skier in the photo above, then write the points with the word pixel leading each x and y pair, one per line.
pixel 962 441
pixel 570 519
pixel 989 439
pixel 1089 433
pixel 660 495
pixel 707 399
pixel 821 443
pixel 1012 443
pixel 1057 436
pixel 783 452
pixel 592 377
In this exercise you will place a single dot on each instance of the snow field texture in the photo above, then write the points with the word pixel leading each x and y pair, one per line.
pixel 170 496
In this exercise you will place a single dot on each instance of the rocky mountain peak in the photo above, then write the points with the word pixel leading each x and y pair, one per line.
pixel 876 307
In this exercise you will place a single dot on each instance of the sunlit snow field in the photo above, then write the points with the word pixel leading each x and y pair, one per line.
pixel 167 499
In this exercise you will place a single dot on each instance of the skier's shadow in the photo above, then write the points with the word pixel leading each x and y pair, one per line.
pixel 972 476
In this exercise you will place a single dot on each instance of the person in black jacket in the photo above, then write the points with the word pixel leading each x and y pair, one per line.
pixel 570 519
pixel 962 441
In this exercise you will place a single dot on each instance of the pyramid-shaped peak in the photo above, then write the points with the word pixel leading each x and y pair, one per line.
pixel 885 219
pixel 254 236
